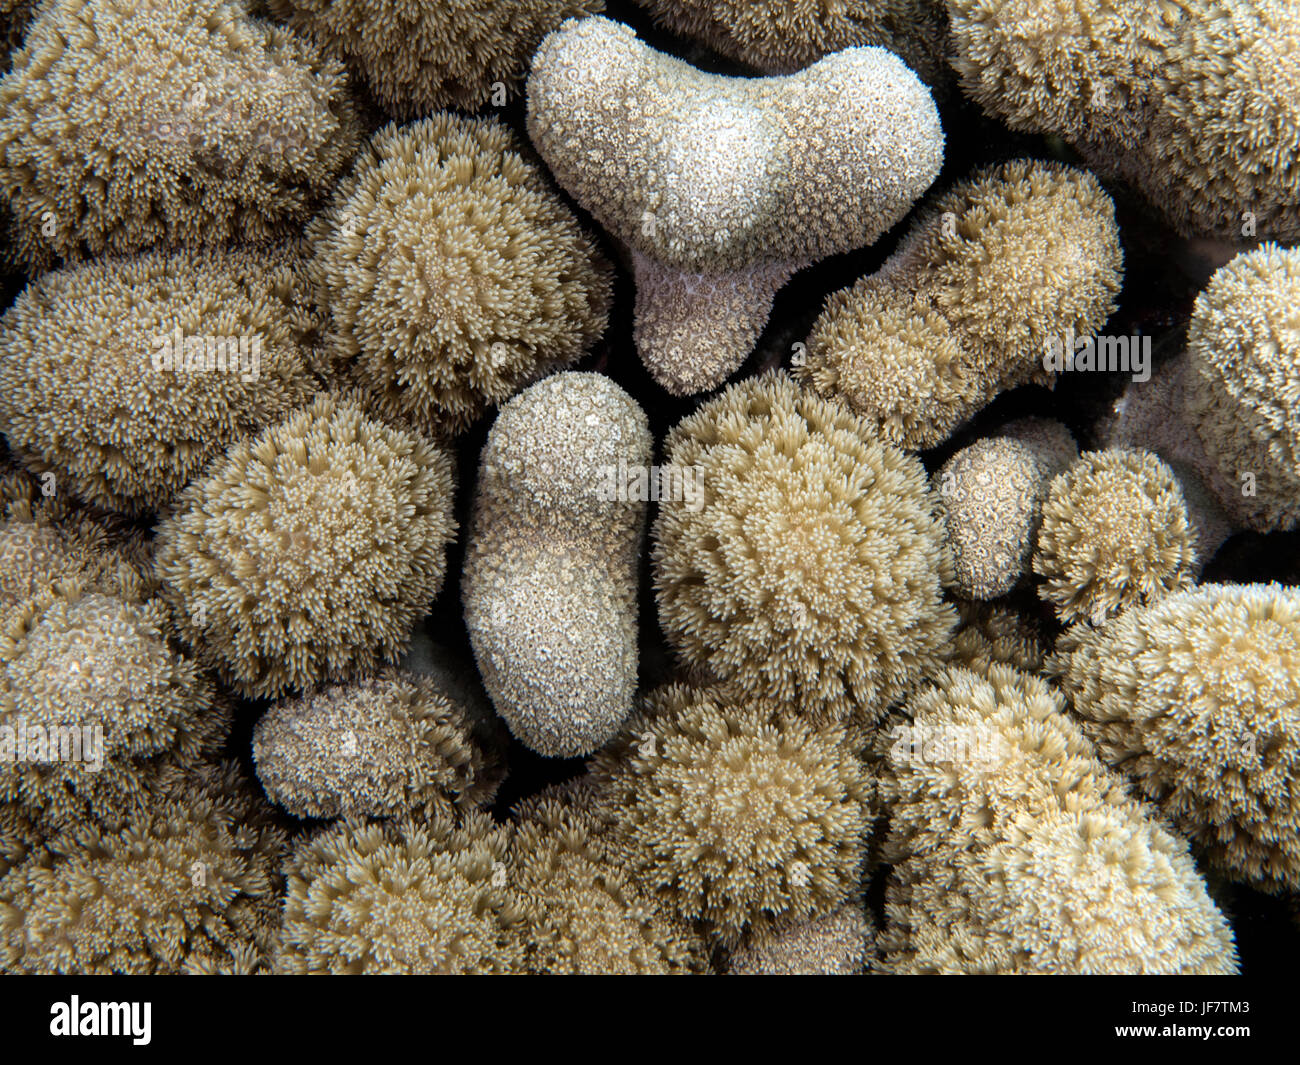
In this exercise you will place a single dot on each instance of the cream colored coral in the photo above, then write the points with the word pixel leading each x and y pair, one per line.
pixel 735 814
pixel 811 575
pixel 401 897
pixel 723 187
pixel 1029 857
pixel 167 122
pixel 550 579
pixel 1115 532
pixel 992 496
pixel 190 884
pixel 375 747
pixel 992 271
pixel 98 673
pixel 1197 698
pixel 585 915
pixel 309 552
pixel 453 274
pixel 419 57
pixel 86 389
pixel 1242 384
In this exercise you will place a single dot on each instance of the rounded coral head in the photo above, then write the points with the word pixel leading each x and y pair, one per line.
pixel 1116 531
pixel 124 377
pixel 1197 697
pixel 204 126
pixel 1243 383
pixel 452 273
pixel 377 746
pixel 401 897
pixel 993 271
pixel 310 551
pixel 812 572
pixel 419 57
pixel 1014 850
pixel 735 814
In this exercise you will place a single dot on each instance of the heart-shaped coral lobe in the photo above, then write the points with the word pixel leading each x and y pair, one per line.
pixel 724 187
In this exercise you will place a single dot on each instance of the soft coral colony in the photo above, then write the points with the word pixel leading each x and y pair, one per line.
pixel 302 366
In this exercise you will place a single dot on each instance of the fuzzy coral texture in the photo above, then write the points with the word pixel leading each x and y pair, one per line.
pixel 1115 532
pixel 417 57
pixel 73 662
pixel 452 273
pixel 124 377
pixel 308 552
pixel 204 126
pixel 781 36
pixel 1243 383
pixel 550 579
pixel 586 915
pixel 811 575
pixel 992 496
pixel 401 897
pixel 45 542
pixel 837 944
pixel 990 272
pixel 724 187
pixel 1029 858
pixel 191 884
pixel 1158 94
pixel 735 814
pixel 1197 698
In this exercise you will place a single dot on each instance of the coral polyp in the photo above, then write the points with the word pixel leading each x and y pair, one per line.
pixel 548 487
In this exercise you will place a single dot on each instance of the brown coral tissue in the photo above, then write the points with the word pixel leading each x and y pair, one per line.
pixel 650 487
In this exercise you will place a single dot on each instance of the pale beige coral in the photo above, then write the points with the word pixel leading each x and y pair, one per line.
pixel 1014 850
pixel 423 56
pixel 780 36
pixel 735 814
pixel 190 884
pixel 309 552
pixel 550 579
pixel 731 183
pixel 124 377
pixel 1116 532
pixel 453 274
pixel 585 915
pixel 990 272
pixel 1197 698
pixel 402 897
pixel 811 575
pixel 1242 385
pixel 379 746
pixel 204 126
pixel 992 496
pixel 99 700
